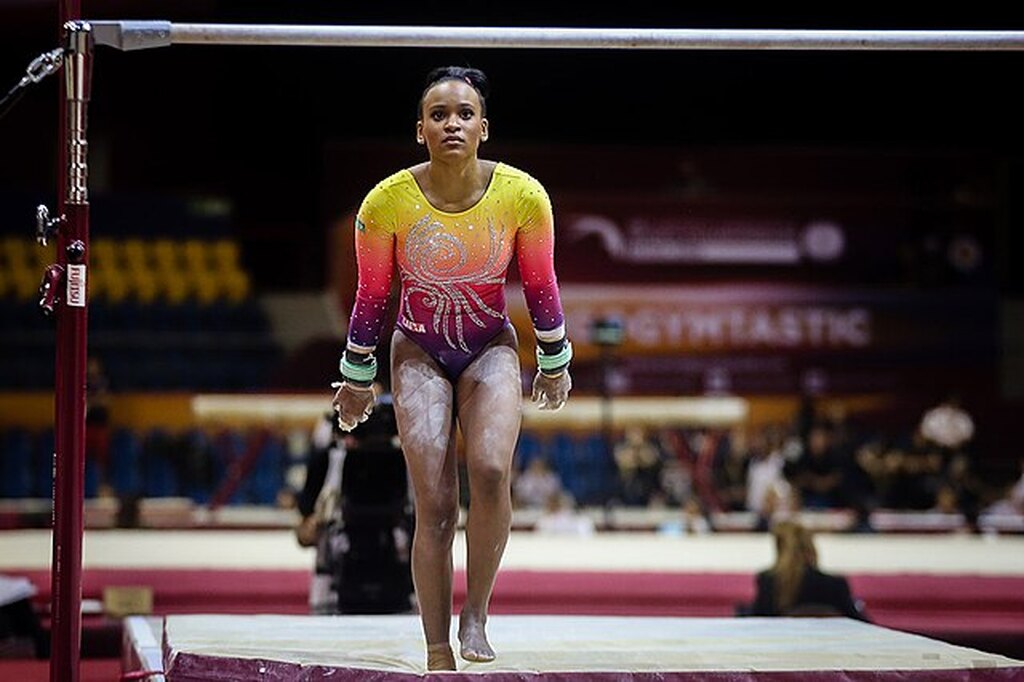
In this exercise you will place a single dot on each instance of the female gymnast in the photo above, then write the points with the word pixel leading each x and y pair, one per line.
pixel 452 225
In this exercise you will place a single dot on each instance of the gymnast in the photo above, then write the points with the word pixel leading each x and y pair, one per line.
pixel 451 225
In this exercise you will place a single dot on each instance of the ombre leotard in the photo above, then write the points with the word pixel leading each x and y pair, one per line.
pixel 453 265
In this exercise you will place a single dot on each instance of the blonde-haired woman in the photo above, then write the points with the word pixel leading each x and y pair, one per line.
pixel 795 587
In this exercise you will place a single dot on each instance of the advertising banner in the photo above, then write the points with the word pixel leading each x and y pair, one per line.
pixel 767 338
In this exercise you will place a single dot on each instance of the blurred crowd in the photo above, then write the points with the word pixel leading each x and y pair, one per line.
pixel 817 462
pixel 704 478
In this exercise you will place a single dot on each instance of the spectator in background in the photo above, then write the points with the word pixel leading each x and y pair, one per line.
pixel 948 426
pixel 1011 502
pixel 319 500
pixel 960 491
pixel 795 586
pixel 912 474
pixel 856 491
pixel 21 634
pixel 638 460
pixel 676 476
pixel 536 485
pixel 729 470
pixel 768 491
pixel 817 475
pixel 675 482
pixel 695 520
pixel 318 504
pixel 692 520
pixel 805 419
pixel 319 469
pixel 367 455
pixel 560 517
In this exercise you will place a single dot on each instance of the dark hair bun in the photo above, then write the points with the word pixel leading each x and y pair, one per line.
pixel 475 77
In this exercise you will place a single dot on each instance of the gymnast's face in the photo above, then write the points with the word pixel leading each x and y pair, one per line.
pixel 451 124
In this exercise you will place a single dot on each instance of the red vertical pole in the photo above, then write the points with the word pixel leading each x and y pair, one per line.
pixel 69 380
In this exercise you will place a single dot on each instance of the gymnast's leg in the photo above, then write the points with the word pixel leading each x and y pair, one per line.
pixel 423 408
pixel 489 398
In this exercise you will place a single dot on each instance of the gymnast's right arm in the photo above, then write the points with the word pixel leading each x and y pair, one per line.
pixel 374 238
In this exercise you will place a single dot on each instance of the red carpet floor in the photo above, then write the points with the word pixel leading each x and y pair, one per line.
pixel 97 670
pixel 937 606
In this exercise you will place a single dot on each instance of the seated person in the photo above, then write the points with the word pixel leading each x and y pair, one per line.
pixel 639 464
pixel 1011 501
pixel 534 487
pixel 817 474
pixel 21 634
pixel 560 517
pixel 795 587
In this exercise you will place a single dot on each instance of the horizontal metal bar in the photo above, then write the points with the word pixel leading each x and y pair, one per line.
pixel 141 34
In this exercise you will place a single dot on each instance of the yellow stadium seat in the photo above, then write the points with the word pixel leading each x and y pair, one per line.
pixel 174 287
pixel 165 255
pixel 115 286
pixel 25 284
pixel 103 255
pixel 39 257
pixel 207 288
pixel 197 255
pixel 134 255
pixel 142 285
pixel 107 285
pixel 226 255
pixel 97 284
pixel 14 251
pixel 20 252
pixel 236 285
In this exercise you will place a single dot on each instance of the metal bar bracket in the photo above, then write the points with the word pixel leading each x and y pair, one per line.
pixel 132 35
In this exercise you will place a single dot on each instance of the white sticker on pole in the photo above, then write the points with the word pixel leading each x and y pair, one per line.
pixel 76 286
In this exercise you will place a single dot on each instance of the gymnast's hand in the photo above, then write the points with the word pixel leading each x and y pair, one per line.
pixel 352 403
pixel 551 392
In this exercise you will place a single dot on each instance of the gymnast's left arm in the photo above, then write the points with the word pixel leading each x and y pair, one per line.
pixel 535 252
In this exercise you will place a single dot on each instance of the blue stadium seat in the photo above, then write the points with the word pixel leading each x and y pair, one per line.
pixel 159 475
pixel 197 477
pixel 125 462
pixel 563 459
pixel 267 476
pixel 529 447
pixel 92 478
pixel 229 446
pixel 593 469
pixel 16 472
pixel 43 480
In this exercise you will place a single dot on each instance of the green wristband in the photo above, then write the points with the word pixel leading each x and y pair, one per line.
pixel 358 372
pixel 550 364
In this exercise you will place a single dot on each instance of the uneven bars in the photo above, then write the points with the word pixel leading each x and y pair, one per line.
pixel 136 35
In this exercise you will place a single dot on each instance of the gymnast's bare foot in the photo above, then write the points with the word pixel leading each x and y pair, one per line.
pixel 440 657
pixel 473 639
